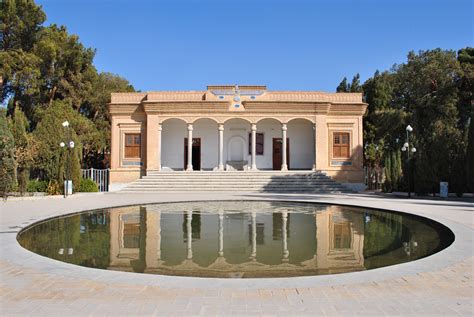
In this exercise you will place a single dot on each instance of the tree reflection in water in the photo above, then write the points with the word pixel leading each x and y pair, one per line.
pixel 236 239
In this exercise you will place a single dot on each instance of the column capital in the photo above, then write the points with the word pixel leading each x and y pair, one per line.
pixel 284 127
pixel 220 127
pixel 254 127
pixel 160 127
pixel 190 127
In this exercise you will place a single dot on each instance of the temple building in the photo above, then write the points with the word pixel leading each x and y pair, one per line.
pixel 229 128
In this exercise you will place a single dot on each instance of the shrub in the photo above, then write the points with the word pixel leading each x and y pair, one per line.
pixel 53 188
pixel 35 186
pixel 87 186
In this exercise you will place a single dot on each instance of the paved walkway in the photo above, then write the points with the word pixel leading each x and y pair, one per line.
pixel 437 285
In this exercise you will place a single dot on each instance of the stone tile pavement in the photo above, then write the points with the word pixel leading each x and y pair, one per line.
pixel 441 284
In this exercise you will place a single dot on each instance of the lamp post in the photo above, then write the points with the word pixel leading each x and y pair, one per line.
pixel 406 147
pixel 70 145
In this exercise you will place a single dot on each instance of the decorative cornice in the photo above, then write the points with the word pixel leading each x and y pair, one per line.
pixel 125 108
pixel 185 106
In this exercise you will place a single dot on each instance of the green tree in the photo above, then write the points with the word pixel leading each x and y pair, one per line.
pixel 7 158
pixel 355 84
pixel 25 148
pixel 53 160
pixel 20 22
pixel 343 86
pixel 466 110
pixel 95 108
pixel 426 88
pixel 66 66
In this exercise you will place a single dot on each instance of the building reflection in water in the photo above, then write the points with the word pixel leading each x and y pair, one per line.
pixel 236 239
pixel 154 239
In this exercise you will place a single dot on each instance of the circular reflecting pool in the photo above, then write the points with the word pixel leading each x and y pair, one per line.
pixel 236 239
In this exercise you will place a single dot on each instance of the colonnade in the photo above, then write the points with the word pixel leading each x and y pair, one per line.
pixel 220 167
pixel 253 254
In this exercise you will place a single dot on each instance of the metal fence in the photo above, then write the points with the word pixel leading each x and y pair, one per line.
pixel 100 176
pixel 373 178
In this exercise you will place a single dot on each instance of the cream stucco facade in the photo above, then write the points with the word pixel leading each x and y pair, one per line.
pixel 236 127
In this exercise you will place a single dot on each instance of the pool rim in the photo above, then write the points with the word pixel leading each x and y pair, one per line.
pixel 280 282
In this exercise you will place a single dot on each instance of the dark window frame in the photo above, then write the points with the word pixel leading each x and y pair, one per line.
pixel 258 146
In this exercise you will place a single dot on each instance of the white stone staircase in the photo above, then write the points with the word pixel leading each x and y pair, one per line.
pixel 260 181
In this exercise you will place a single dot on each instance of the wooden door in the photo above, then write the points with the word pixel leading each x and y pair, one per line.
pixel 196 154
pixel 277 150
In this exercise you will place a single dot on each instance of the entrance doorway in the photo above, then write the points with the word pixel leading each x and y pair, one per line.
pixel 196 160
pixel 277 149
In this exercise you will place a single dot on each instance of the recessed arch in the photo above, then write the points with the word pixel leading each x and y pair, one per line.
pixel 236 148
pixel 270 118
pixel 300 132
pixel 173 132
pixel 172 119
pixel 300 118
pixel 205 118
pixel 226 120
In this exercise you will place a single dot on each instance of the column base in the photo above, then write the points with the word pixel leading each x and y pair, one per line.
pixel 189 168
pixel 220 167
pixel 284 168
pixel 254 168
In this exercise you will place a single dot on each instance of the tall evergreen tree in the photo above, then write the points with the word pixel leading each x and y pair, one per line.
pixel 25 148
pixel 355 84
pixel 466 110
pixel 7 157
pixel 343 86
pixel 427 89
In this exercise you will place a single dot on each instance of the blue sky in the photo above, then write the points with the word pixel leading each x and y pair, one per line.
pixel 286 45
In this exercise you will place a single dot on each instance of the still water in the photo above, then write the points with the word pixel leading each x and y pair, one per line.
pixel 236 239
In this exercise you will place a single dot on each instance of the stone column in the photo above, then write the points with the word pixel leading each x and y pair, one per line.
pixel 221 148
pixel 221 233
pixel 153 239
pixel 189 232
pixel 158 240
pixel 284 166
pixel 315 147
pixel 286 253
pixel 253 255
pixel 254 146
pixel 189 167
pixel 158 147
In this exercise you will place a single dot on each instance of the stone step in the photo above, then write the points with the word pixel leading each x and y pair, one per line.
pixel 159 190
pixel 259 181
pixel 237 187
pixel 234 176
pixel 222 179
pixel 231 184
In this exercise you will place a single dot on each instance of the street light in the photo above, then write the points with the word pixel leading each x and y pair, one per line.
pixel 70 145
pixel 406 147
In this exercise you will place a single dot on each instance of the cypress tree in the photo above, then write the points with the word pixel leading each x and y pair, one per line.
pixel 388 172
pixel 343 86
pixel 355 84
pixel 23 148
pixel 7 156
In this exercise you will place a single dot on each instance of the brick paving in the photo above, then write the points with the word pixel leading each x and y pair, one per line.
pixel 441 284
